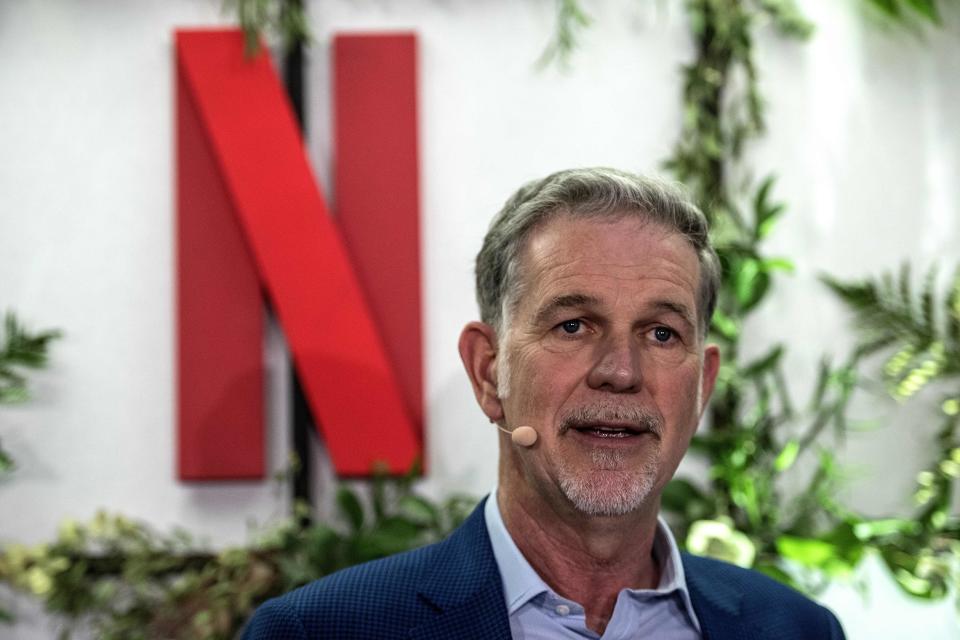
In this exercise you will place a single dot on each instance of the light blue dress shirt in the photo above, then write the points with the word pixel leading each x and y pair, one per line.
pixel 537 613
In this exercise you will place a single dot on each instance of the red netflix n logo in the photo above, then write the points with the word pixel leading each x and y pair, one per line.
pixel 252 222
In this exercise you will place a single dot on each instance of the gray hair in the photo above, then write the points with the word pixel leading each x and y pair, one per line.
pixel 590 192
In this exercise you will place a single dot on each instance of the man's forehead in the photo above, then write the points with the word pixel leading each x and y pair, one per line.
pixel 605 245
pixel 560 255
pixel 589 234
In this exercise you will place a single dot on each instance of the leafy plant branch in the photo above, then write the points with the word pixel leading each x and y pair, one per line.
pixel 22 350
pixel 128 582
pixel 285 20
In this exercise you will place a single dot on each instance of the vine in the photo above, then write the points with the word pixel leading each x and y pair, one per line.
pixel 757 435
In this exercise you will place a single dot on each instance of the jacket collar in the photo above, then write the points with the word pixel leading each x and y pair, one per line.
pixel 718 603
pixel 462 583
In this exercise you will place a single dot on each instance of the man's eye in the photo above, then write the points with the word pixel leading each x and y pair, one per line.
pixel 571 326
pixel 663 334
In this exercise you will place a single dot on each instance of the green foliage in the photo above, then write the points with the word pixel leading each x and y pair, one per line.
pixel 919 332
pixel 285 19
pixel 758 437
pixel 21 350
pixel 571 20
pixel 128 582
pixel 924 335
pixel 908 11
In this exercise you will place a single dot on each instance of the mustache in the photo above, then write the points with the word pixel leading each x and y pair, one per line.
pixel 637 417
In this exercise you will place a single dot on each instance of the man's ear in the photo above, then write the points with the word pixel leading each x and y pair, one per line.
pixel 711 365
pixel 478 351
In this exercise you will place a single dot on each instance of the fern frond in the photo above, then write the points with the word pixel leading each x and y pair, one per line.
pixel 891 315
pixel 20 348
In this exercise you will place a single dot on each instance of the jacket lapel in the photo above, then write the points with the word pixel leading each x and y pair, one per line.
pixel 462 585
pixel 716 603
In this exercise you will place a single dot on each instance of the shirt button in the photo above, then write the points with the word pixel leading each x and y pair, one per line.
pixel 562 610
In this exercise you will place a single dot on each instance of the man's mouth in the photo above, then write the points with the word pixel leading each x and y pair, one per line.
pixel 612 423
pixel 603 431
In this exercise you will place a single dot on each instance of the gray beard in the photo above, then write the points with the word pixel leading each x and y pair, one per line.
pixel 607 489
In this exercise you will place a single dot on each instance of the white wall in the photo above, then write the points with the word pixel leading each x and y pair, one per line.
pixel 862 135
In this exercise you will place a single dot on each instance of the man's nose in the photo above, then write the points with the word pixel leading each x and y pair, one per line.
pixel 617 368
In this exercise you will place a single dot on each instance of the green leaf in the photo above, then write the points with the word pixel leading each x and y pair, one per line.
pixel 809 552
pixel 419 510
pixel 6 462
pixel 750 283
pixel 765 212
pixel 905 286
pixel 823 380
pixel 787 456
pixel 926 8
pixel 871 529
pixel 350 507
pixel 725 326
pixel 927 300
pixel 918 574
pixel 787 18
pixel 392 535
pixel 836 553
pixel 890 8
pixel 13 395
pixel 778 264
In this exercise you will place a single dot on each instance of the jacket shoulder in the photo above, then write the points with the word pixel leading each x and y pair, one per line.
pixel 390 597
pixel 371 600
pixel 759 600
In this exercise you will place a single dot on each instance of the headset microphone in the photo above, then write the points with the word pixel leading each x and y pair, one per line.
pixel 523 436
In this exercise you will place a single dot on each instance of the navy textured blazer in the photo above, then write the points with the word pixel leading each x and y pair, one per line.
pixel 452 591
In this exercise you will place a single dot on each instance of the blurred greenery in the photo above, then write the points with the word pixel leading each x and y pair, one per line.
pixel 908 12
pixel 126 582
pixel 284 21
pixel 22 349
pixel 759 440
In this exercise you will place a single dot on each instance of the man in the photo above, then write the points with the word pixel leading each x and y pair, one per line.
pixel 596 289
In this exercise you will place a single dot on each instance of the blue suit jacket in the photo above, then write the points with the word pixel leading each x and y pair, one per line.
pixel 452 591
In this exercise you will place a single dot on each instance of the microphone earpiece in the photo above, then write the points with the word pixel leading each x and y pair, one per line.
pixel 523 436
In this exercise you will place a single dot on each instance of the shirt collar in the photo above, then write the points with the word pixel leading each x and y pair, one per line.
pixel 521 583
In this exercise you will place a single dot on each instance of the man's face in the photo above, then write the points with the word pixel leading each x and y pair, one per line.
pixel 603 358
